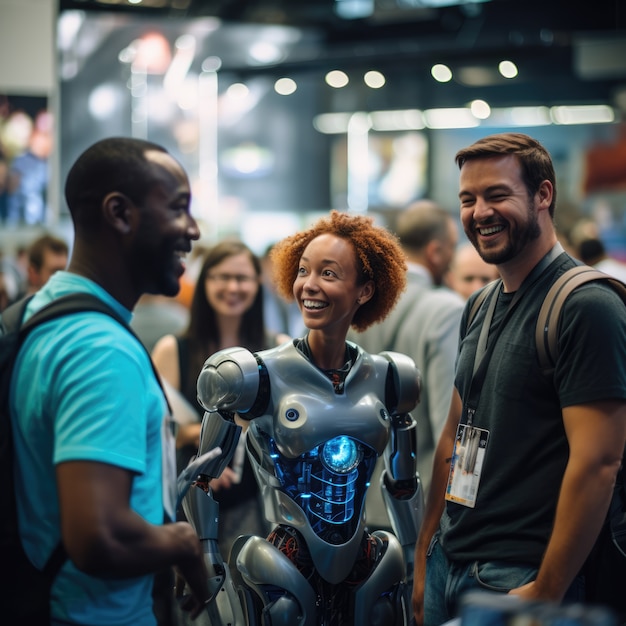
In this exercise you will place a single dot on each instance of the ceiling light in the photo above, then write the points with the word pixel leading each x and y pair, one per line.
pixel 508 69
pixel 592 114
pixel 237 91
pixel 408 119
pixel 285 86
pixel 480 109
pixel 374 79
pixel 337 79
pixel 450 118
pixel 441 73
pixel 332 123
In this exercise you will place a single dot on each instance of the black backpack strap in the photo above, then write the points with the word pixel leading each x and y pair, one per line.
pixel 480 298
pixel 11 317
pixel 80 302
pixel 71 303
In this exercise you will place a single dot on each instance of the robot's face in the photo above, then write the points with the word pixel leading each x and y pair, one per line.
pixel 326 288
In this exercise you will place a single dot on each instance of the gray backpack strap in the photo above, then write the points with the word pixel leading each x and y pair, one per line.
pixel 546 331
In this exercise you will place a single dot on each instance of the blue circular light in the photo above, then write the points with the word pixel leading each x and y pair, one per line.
pixel 341 454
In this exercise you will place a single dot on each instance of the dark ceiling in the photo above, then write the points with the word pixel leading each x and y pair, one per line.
pixel 570 52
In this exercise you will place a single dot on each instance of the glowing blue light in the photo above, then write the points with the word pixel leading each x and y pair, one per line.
pixel 341 454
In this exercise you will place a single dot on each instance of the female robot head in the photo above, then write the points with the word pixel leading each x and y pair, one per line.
pixel 343 271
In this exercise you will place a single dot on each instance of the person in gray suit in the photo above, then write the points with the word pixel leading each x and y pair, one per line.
pixel 425 326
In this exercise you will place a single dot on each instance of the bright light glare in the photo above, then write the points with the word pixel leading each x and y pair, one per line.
pixel 450 118
pixel 211 64
pixel 237 91
pixel 592 114
pixel 480 109
pixel 331 123
pixel 374 79
pixel 441 73
pixel 337 79
pixel 508 69
pixel 408 119
pixel 103 102
pixel 285 86
pixel 265 52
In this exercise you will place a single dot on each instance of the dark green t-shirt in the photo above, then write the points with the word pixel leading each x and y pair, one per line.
pixel 527 449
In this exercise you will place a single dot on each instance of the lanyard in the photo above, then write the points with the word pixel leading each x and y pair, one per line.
pixel 484 351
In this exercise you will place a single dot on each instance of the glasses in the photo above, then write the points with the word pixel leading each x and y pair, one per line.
pixel 225 279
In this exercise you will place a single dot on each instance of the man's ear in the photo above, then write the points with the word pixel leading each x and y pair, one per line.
pixel 118 212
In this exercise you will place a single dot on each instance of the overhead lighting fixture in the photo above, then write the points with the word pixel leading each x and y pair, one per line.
pixel 520 116
pixel 332 123
pixel 441 73
pixel 407 119
pixel 285 86
pixel 479 113
pixel 592 114
pixel 450 118
pixel 480 109
pixel 374 79
pixel 337 79
pixel 508 69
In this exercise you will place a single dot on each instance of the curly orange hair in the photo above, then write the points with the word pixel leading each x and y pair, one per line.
pixel 379 255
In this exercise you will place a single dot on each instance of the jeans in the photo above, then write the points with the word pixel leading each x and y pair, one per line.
pixel 446 582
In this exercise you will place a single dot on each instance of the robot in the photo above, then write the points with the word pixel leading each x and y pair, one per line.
pixel 313 449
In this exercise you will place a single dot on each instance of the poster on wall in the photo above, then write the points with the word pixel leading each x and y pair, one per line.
pixel 26 142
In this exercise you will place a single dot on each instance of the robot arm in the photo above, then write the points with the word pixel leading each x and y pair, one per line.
pixel 402 395
pixel 400 483
pixel 229 381
pixel 227 384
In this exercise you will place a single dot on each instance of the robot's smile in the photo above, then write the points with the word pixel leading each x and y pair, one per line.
pixel 314 304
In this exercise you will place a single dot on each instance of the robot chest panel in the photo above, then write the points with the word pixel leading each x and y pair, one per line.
pixel 301 424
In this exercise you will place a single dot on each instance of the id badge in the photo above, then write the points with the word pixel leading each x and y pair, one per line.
pixel 466 465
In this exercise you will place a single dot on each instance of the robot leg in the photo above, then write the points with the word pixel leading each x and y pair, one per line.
pixel 381 599
pixel 273 589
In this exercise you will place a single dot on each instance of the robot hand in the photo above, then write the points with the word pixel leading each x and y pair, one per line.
pixel 198 465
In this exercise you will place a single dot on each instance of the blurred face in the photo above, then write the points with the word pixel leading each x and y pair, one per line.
pixel 327 286
pixel 232 285
pixel 166 230
pixel 497 215
pixel 52 262
pixel 442 253
pixel 470 272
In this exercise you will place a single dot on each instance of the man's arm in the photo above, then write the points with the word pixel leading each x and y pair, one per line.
pixel 104 537
pixel 435 502
pixel 596 433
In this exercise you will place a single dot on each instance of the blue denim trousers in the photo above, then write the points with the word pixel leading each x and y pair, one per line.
pixel 446 582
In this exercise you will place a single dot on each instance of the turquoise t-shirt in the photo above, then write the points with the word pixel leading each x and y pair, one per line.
pixel 83 389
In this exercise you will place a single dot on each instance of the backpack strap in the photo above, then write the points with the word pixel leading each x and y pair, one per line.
pixel 11 317
pixel 480 298
pixel 78 302
pixel 546 331
pixel 73 303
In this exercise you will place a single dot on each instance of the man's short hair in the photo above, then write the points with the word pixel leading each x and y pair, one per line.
pixel 115 164
pixel 39 247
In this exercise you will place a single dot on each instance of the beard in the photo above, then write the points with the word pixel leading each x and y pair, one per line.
pixel 519 238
